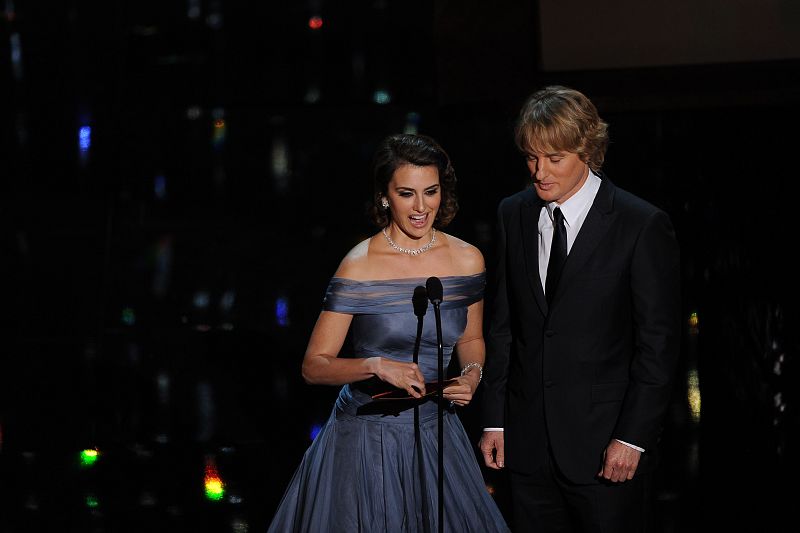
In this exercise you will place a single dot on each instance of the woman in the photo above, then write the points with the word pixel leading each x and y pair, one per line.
pixel 370 469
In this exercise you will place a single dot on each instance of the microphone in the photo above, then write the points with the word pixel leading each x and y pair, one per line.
pixel 435 290
pixel 436 295
pixel 420 302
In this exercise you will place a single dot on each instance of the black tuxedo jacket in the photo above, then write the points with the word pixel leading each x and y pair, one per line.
pixel 599 363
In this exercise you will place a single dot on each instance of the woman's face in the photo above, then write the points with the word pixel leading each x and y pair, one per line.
pixel 414 194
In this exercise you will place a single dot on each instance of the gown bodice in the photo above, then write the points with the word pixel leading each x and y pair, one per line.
pixel 384 323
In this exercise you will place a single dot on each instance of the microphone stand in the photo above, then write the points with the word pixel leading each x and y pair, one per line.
pixel 435 294
pixel 438 316
pixel 420 302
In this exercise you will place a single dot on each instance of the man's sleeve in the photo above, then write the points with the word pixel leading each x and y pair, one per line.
pixel 498 334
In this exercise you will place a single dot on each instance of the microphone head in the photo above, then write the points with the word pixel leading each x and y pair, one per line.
pixel 435 290
pixel 420 300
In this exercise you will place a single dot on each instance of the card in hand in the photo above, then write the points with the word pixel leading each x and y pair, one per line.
pixel 401 394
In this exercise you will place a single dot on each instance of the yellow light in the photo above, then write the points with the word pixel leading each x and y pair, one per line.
pixel 215 490
pixel 693 395
pixel 694 323
pixel 89 457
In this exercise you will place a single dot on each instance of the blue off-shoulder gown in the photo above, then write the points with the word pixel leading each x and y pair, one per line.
pixel 368 470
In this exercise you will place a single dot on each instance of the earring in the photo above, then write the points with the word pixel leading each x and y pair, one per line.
pixel 384 203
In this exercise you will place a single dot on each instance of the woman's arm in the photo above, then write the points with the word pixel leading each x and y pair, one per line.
pixel 322 366
pixel 469 349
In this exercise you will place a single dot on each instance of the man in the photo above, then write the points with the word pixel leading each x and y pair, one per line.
pixel 583 330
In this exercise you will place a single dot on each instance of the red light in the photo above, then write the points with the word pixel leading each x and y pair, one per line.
pixel 315 23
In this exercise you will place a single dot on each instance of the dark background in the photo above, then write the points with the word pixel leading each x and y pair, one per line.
pixel 165 274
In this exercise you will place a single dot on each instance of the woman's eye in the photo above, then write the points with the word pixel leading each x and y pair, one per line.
pixel 432 192
pixel 405 194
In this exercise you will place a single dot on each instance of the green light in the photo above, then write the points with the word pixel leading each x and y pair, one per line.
pixel 91 501
pixel 89 457
pixel 214 488
pixel 128 316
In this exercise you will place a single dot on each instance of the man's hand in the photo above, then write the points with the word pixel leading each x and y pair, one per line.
pixel 619 462
pixel 492 448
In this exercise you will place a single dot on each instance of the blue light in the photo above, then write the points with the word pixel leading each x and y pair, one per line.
pixel 282 312
pixel 382 97
pixel 160 187
pixel 85 138
pixel 315 429
pixel 201 299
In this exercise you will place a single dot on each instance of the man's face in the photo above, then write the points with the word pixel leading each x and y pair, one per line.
pixel 557 174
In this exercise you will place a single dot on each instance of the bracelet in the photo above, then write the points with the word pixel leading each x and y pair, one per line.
pixel 470 366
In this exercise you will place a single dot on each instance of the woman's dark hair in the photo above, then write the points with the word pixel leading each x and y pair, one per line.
pixel 418 150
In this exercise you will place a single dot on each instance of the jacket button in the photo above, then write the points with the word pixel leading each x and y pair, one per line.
pixel 549 333
pixel 548 383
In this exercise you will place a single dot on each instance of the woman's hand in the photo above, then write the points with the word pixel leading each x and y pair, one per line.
pixel 461 392
pixel 406 376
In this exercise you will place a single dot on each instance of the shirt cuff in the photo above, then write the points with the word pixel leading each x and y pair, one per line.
pixel 493 429
pixel 626 444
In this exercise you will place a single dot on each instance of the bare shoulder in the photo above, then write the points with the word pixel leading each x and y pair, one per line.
pixel 355 263
pixel 467 258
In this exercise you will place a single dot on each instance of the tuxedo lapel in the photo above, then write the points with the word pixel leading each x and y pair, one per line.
pixel 529 219
pixel 598 220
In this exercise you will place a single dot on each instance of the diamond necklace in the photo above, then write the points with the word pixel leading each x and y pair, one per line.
pixel 411 251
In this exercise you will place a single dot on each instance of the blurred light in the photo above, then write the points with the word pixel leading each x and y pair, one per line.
pixel 128 316
pixel 280 164
pixel 694 323
pixel 31 502
pixel 162 385
pixel 777 368
pixel 89 457
pixel 381 96
pixel 16 56
pixel 91 501
pixel 215 488
pixel 214 21
pixel 313 95
pixel 160 187
pixel 193 11
pixel 227 300
pixel 412 123
pixel 693 394
pixel 147 499
pixel 163 266
pixel 218 137
pixel 315 429
pixel 131 350
pixel 235 499
pixel 490 489
pixel 315 23
pixel 194 112
pixel 84 139
pixel 10 12
pixel 239 526
pixel 201 299
pixel 282 311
